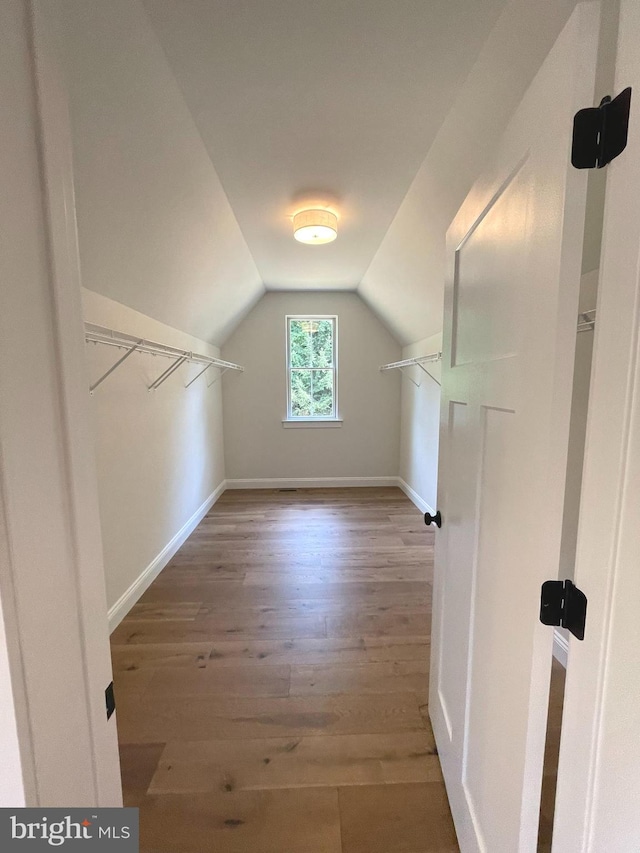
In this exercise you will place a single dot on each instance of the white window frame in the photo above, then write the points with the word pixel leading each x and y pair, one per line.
pixel 312 420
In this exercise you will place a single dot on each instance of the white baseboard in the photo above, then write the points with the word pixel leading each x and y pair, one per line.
pixel 312 483
pixel 126 601
pixel 422 505
pixel 560 647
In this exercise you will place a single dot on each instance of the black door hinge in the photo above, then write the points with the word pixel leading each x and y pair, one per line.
pixel 111 700
pixel 564 605
pixel 600 133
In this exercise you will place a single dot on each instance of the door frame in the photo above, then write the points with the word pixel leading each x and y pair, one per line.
pixel 601 708
pixel 52 590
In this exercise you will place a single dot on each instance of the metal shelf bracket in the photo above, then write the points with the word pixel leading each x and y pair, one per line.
pixel 115 366
pixel 223 370
pixel 198 375
pixel 418 361
pixel 403 370
pixel 167 373
pixel 587 321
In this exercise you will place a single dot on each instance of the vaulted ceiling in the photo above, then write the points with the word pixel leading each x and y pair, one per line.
pixel 333 102
pixel 201 126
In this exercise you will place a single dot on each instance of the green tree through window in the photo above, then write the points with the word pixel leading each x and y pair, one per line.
pixel 311 344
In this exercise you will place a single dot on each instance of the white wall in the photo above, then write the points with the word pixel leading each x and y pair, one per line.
pixel 405 281
pixel 256 443
pixel 159 454
pixel 160 251
pixel 156 229
pixel 420 425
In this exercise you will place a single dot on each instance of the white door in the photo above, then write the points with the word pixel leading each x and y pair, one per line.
pixel 511 308
pixel 598 797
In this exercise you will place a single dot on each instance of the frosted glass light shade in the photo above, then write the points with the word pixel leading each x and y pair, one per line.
pixel 315 227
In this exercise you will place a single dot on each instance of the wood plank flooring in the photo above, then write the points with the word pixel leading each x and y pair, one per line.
pixel 551 757
pixel 271 683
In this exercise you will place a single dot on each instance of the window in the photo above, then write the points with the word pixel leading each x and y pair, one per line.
pixel 311 368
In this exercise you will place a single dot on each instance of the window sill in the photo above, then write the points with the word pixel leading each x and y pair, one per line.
pixel 311 423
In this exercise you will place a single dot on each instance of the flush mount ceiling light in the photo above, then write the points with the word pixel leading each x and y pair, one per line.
pixel 315 227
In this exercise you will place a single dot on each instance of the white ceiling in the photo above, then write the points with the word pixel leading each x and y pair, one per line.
pixel 156 231
pixel 334 102
pixel 404 285
pixel 200 126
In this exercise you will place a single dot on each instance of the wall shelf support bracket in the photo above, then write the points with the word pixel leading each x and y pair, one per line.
pixel 198 375
pixel 115 366
pixel 424 369
pixel 409 377
pixel 223 370
pixel 418 361
pixel 587 321
pixel 167 373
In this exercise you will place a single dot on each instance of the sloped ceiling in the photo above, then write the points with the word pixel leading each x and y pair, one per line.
pixel 156 231
pixel 301 101
pixel 404 285
pixel 201 126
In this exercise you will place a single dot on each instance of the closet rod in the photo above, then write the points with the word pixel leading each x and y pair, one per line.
pixel 586 323
pixel 110 337
pixel 408 362
pixel 418 361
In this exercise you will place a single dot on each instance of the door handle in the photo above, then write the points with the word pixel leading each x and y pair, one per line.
pixel 433 519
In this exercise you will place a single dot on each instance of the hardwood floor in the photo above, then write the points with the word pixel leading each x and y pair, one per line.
pixel 551 757
pixel 271 683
